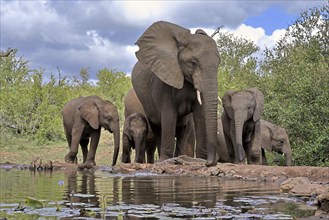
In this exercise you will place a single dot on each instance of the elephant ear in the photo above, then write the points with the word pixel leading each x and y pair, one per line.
pixel 200 31
pixel 267 135
pixel 227 98
pixel 90 113
pixel 158 51
pixel 259 98
pixel 126 128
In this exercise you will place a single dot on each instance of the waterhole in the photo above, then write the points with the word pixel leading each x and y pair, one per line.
pixel 104 195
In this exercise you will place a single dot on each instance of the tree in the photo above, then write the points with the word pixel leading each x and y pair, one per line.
pixel 238 64
pixel 296 85
pixel 113 85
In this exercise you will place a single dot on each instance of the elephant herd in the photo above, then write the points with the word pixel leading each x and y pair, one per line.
pixel 172 108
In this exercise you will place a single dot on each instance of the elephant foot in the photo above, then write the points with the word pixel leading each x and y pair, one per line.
pixel 70 159
pixel 211 163
pixel 87 165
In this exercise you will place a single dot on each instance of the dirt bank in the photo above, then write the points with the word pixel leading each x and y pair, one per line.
pixel 300 181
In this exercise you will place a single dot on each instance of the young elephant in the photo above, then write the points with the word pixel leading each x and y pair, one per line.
pixel 83 119
pixel 241 124
pixel 135 137
pixel 275 138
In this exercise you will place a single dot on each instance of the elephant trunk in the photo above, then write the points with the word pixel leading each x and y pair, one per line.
pixel 238 147
pixel 116 135
pixel 139 149
pixel 288 155
pixel 210 103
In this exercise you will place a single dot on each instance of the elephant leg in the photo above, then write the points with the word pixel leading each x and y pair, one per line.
pixel 256 156
pixel 69 141
pixel 189 147
pixel 168 127
pixel 93 147
pixel 150 150
pixel 157 137
pixel 180 140
pixel 264 160
pixel 247 149
pixel 126 149
pixel 84 147
pixel 71 157
pixel 184 141
pixel 232 140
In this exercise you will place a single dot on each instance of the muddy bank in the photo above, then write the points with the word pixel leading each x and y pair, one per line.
pixel 311 183
pixel 184 165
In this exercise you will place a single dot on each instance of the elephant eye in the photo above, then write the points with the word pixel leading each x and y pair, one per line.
pixel 107 117
pixel 193 63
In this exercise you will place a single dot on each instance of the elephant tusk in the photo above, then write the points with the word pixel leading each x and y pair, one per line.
pixel 198 95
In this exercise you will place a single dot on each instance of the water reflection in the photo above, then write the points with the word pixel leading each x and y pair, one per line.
pixel 81 188
pixel 158 190
pixel 160 195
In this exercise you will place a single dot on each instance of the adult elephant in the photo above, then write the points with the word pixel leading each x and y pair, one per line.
pixel 134 136
pixel 241 124
pixel 176 74
pixel 184 131
pixel 275 138
pixel 83 119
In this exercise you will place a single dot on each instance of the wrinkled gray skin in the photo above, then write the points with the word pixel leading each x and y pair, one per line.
pixel 241 125
pixel 133 105
pixel 185 137
pixel 134 137
pixel 184 131
pixel 222 152
pixel 172 65
pixel 83 119
pixel 275 138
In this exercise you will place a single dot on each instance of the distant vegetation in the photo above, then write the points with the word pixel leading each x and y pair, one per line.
pixel 294 77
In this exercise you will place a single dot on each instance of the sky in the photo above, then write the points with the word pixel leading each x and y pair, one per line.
pixel 71 35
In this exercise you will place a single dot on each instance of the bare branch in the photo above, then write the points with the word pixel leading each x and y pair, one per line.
pixel 6 54
pixel 217 31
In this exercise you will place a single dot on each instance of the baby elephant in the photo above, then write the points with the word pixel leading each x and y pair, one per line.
pixel 275 138
pixel 83 119
pixel 135 137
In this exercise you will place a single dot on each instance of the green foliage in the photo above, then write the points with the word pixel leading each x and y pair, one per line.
pixel 114 85
pixel 31 108
pixel 294 78
pixel 238 65
pixel 296 86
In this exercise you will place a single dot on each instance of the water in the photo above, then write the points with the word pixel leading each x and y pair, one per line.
pixel 70 194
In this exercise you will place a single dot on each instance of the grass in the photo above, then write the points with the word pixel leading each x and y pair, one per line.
pixel 20 151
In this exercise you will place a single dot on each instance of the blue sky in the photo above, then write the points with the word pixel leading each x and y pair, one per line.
pixel 71 35
pixel 271 19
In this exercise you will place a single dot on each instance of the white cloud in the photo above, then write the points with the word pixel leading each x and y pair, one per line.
pixel 257 35
pixel 99 34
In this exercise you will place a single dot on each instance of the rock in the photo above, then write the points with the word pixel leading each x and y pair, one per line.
pixel 308 190
pixel 323 201
pixel 290 183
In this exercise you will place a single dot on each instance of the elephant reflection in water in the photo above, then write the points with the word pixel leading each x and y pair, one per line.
pixel 163 190
pixel 83 183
